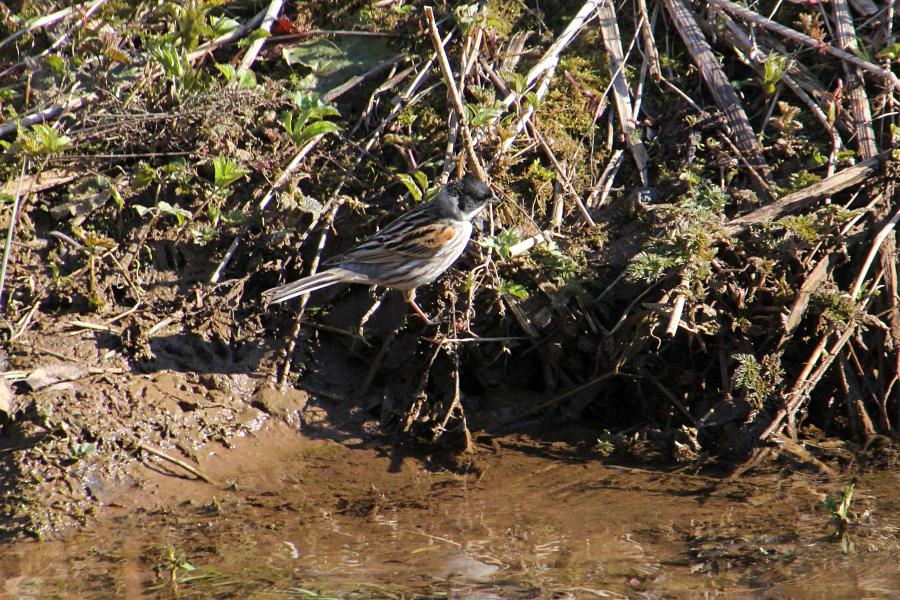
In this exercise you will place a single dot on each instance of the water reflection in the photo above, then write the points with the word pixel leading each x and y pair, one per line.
pixel 310 518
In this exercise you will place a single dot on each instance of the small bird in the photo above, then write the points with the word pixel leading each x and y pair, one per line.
pixel 412 251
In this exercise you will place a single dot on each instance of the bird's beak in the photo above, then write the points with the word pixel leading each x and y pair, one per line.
pixel 494 200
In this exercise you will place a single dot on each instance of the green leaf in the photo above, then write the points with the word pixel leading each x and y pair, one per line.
pixel 55 63
pixel 421 179
pixel 227 70
pixel 516 290
pixel 410 183
pixel 180 214
pixel 333 61
pixel 226 172
pixel 258 34
pixel 222 25
pixel 484 115
pixel 317 128
pixel 892 52
pixel 247 80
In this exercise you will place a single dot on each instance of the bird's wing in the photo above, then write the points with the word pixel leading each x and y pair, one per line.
pixel 415 235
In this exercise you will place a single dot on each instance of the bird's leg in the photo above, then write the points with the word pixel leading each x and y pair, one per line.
pixel 410 297
pixel 376 302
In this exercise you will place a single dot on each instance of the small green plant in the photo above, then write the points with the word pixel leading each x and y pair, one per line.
pixel 179 172
pixel 502 242
pixel 556 262
pixel 191 20
pixel 773 70
pixel 806 227
pixel 649 266
pixel 56 63
pixel 246 80
pixel 220 25
pixel 811 227
pixel 177 66
pixel 162 207
pixel 605 445
pixel 841 516
pixel 40 140
pixel 688 243
pixel 835 306
pixel 469 16
pixel 82 450
pixel 308 120
pixel 93 244
pixel 417 184
pixel 226 172
pixel 802 179
pixel 512 289
pixel 539 172
pixel 759 380
pixel 173 564
pixel 478 115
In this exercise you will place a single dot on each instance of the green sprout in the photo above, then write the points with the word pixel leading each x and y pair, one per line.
pixel 841 516
pixel 308 121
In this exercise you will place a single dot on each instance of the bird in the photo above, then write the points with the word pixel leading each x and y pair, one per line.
pixel 412 251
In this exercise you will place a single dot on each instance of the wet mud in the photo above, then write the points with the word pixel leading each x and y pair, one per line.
pixel 293 516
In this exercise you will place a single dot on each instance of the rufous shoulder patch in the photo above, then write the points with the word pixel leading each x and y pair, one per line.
pixel 439 235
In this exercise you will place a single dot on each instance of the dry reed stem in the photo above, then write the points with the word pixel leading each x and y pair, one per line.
pixel 873 251
pixel 175 461
pixel 253 51
pixel 45 21
pixel 802 38
pixel 845 33
pixel 10 233
pixel 455 97
pixel 798 200
pixel 719 85
pixel 612 39
pixel 651 54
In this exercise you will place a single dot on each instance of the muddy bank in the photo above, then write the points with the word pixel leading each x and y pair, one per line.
pixel 296 516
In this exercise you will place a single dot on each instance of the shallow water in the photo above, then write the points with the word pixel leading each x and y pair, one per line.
pixel 312 518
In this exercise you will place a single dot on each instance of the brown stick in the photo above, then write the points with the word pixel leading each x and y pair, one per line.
pixel 718 84
pixel 180 463
pixel 454 94
pixel 609 29
pixel 845 33
pixel 806 40
pixel 854 396
pixel 841 180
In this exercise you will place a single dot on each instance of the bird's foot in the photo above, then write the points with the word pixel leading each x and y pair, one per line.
pixel 421 313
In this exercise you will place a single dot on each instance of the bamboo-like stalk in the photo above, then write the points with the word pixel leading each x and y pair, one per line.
pixel 719 85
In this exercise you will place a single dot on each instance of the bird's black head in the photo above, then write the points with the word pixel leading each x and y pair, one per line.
pixel 471 194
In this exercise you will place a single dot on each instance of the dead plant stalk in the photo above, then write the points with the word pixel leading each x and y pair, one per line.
pixel 802 38
pixel 253 51
pixel 10 232
pixel 447 72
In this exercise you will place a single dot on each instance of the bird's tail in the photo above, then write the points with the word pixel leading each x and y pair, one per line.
pixel 301 286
